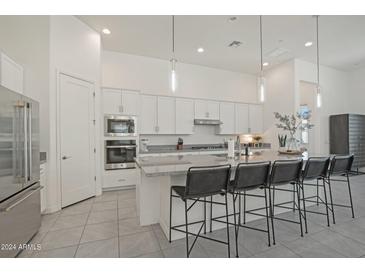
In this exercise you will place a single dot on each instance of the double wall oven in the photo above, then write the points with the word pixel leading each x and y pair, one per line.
pixel 121 142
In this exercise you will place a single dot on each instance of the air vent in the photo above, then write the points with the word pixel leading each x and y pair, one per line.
pixel 276 52
pixel 235 44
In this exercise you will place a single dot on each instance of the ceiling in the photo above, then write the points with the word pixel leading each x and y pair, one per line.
pixel 342 39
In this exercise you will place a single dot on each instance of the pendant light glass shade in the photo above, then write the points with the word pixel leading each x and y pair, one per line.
pixel 173 75
pixel 261 88
pixel 319 97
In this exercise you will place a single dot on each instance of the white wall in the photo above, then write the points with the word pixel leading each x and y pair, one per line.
pixel 280 97
pixel 356 92
pixel 151 76
pixel 334 88
pixel 75 50
pixel 25 39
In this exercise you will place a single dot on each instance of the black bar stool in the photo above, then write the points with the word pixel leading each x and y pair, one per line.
pixel 248 177
pixel 340 166
pixel 316 168
pixel 283 172
pixel 201 182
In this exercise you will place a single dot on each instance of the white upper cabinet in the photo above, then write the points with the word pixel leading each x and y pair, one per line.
pixel 205 109
pixel 112 101
pixel 165 115
pixel 227 117
pixel 242 120
pixel 116 101
pixel 130 102
pixel 11 74
pixel 256 118
pixel 148 117
pixel 184 116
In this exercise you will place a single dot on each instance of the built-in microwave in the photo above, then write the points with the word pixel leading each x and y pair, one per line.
pixel 120 154
pixel 118 125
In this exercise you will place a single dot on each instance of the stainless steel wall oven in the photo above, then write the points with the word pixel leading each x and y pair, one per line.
pixel 120 154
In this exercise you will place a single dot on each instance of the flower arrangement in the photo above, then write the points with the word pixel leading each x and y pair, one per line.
pixel 291 123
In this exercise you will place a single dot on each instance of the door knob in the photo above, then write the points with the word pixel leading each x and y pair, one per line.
pixel 65 157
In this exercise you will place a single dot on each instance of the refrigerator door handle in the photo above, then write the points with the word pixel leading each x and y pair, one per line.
pixel 29 137
pixel 17 202
pixel 25 145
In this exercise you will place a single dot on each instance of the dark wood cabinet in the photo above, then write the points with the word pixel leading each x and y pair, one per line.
pixel 347 136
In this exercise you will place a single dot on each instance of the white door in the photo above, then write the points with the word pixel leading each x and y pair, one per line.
pixel 184 116
pixel 112 101
pixel 241 113
pixel 148 118
pixel 256 119
pixel 213 110
pixel 130 102
pixel 166 115
pixel 77 139
pixel 227 117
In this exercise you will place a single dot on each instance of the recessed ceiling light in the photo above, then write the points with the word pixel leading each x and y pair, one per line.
pixel 106 31
pixel 232 19
pixel 308 44
pixel 200 50
pixel 265 64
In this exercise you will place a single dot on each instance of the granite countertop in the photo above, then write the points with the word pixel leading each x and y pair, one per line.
pixel 179 164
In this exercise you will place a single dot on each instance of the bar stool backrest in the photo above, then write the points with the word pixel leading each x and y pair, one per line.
pixel 341 164
pixel 207 181
pixel 251 175
pixel 316 167
pixel 285 171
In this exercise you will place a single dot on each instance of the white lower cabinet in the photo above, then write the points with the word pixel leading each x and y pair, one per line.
pixel 120 178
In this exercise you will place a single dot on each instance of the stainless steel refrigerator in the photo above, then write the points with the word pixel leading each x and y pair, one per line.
pixel 20 214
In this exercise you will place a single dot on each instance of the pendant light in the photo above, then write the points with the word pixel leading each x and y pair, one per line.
pixel 261 80
pixel 319 95
pixel 173 61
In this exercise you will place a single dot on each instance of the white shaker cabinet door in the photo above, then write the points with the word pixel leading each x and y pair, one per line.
pixel 213 110
pixel 112 101
pixel 242 123
pixel 148 117
pixel 130 102
pixel 165 115
pixel 227 117
pixel 184 116
pixel 11 74
pixel 256 118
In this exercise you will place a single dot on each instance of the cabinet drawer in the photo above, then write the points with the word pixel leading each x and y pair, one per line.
pixel 120 178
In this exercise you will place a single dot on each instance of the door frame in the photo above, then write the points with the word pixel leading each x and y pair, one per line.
pixel 58 129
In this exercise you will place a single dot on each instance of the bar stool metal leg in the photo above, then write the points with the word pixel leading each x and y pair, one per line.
pixel 273 200
pixel 300 212
pixel 205 215
pixel 293 198
pixel 332 208
pixel 170 214
pixel 352 206
pixel 267 218
pixel 239 209
pixel 325 200
pixel 271 216
pixel 236 226
pixel 211 213
pixel 305 211
pixel 244 206
pixel 227 219
pixel 186 227
pixel 317 192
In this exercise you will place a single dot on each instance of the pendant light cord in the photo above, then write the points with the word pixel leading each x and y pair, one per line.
pixel 261 59
pixel 317 31
pixel 173 36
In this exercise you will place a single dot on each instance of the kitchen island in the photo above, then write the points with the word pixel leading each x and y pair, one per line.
pixel 158 174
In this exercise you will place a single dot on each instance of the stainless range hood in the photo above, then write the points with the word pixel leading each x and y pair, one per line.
pixel 207 122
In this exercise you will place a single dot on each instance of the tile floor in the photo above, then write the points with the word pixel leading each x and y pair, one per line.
pixel 107 226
